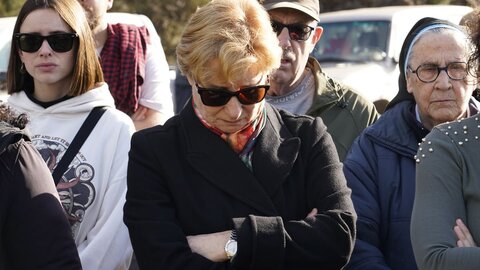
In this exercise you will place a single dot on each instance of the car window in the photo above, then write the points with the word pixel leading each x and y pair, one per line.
pixel 353 41
pixel 6 30
pixel 4 57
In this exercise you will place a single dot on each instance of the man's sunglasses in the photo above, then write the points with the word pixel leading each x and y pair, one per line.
pixel 295 31
pixel 220 96
pixel 62 42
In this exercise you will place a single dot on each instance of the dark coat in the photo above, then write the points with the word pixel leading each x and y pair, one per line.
pixel 34 231
pixel 185 180
pixel 380 170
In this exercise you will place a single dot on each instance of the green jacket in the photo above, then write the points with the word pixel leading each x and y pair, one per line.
pixel 344 112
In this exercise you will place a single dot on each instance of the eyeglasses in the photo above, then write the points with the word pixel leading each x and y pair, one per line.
pixel 220 96
pixel 429 72
pixel 295 31
pixel 30 43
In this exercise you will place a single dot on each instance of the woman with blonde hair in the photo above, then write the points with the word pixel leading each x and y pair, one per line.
pixel 231 182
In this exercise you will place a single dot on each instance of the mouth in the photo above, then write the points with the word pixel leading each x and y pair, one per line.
pixel 443 103
pixel 285 62
pixel 442 100
pixel 47 65
pixel 232 122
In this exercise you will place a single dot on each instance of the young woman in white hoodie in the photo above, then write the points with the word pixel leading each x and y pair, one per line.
pixel 55 77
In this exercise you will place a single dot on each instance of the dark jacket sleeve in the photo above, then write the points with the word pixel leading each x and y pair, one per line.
pixel 360 170
pixel 35 232
pixel 157 238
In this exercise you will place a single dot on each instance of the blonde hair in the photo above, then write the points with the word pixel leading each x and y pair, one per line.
pixel 87 69
pixel 237 33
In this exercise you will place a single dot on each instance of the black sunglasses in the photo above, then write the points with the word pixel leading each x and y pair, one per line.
pixel 295 31
pixel 62 42
pixel 220 96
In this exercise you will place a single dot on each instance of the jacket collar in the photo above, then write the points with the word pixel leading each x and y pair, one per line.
pixel 327 93
pixel 404 136
pixel 274 155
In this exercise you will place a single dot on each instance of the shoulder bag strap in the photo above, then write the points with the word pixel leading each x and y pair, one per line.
pixel 77 142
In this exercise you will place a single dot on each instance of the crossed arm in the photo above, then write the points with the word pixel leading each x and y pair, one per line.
pixel 211 246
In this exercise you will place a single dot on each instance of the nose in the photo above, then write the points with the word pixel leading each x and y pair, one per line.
pixel 284 38
pixel 233 108
pixel 45 49
pixel 443 80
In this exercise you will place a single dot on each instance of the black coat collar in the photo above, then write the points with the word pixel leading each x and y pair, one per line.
pixel 274 154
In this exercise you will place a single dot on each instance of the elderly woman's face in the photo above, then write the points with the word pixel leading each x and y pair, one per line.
pixel 232 116
pixel 443 99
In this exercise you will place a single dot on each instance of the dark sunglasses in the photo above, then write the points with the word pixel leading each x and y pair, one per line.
pixel 295 31
pixel 62 42
pixel 220 96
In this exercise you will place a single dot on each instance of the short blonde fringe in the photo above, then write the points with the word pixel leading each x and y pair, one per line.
pixel 238 33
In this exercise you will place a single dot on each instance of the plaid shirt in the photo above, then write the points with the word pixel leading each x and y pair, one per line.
pixel 123 59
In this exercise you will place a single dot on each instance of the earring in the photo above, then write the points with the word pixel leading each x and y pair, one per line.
pixel 22 69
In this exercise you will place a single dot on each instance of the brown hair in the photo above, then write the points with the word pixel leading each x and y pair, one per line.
pixel 473 26
pixel 87 69
pixel 8 116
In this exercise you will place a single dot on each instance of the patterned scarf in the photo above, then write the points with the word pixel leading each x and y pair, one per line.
pixel 123 59
pixel 242 141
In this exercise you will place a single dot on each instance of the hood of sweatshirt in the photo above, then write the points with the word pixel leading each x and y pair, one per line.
pixel 99 96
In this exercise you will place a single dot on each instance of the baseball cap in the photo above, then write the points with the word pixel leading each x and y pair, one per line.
pixel 309 7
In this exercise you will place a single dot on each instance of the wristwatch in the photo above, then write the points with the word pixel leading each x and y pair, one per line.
pixel 231 246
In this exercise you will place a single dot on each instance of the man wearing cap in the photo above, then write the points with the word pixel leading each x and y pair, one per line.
pixel 301 87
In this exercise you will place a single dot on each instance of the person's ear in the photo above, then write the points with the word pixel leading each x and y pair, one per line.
pixel 317 34
pixel 409 81
pixel 20 55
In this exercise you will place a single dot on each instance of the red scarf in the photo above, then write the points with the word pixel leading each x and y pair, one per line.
pixel 243 140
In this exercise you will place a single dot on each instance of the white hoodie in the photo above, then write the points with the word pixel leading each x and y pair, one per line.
pixel 93 188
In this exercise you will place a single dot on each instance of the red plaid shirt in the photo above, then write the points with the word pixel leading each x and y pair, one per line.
pixel 123 59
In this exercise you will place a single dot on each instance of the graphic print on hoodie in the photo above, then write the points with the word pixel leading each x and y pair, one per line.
pixel 75 188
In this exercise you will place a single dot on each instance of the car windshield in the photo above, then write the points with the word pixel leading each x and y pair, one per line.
pixel 353 41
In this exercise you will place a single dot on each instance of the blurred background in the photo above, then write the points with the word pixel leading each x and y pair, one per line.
pixel 169 16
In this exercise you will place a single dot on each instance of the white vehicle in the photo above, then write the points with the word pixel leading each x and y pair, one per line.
pixel 6 31
pixel 361 47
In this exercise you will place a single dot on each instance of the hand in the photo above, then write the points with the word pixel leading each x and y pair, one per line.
pixel 312 213
pixel 210 246
pixel 139 114
pixel 145 117
pixel 465 239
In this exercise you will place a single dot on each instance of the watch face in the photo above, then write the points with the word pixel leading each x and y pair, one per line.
pixel 231 248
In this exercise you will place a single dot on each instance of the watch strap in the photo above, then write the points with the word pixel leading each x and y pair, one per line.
pixel 233 235
pixel 231 246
